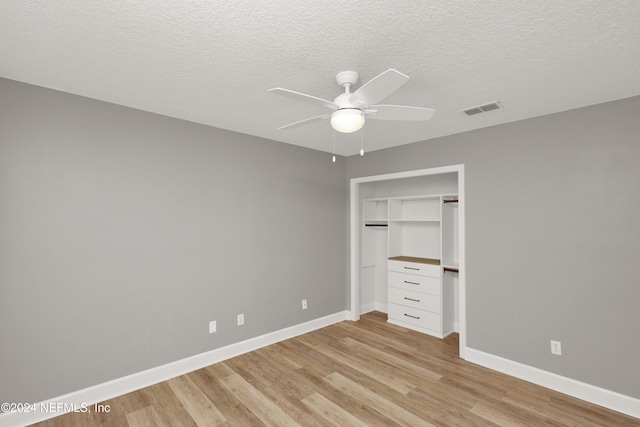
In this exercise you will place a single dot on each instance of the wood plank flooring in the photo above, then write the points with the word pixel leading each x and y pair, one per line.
pixel 365 373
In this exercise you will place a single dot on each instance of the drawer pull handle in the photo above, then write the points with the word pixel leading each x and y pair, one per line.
pixel 414 317
pixel 412 268
pixel 412 283
pixel 411 299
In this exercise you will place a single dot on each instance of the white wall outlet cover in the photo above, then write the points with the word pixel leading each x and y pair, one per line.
pixel 212 326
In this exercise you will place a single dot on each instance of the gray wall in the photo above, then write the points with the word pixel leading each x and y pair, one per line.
pixel 553 237
pixel 123 233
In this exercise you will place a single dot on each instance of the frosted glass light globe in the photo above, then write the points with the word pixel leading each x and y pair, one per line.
pixel 347 120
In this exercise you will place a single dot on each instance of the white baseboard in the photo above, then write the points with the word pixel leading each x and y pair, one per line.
pixel 367 308
pixel 374 306
pixel 87 397
pixel 599 396
pixel 382 307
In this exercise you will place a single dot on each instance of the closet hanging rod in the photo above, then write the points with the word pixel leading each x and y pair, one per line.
pixel 450 201
pixel 376 225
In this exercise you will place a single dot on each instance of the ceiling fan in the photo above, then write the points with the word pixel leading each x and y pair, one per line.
pixel 350 109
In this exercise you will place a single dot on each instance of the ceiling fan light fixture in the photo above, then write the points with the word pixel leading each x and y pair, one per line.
pixel 347 120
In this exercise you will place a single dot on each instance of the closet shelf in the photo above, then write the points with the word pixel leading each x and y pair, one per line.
pixel 415 259
pixel 414 220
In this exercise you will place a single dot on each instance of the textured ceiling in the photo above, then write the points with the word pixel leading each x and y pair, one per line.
pixel 213 62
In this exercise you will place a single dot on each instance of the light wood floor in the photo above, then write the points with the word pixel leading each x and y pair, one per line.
pixel 365 373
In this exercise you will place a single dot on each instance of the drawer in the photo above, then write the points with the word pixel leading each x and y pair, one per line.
pixel 412 316
pixel 415 268
pixel 411 282
pixel 415 300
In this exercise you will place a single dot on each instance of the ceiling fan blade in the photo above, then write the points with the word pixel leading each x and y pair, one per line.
pixel 305 121
pixel 378 88
pixel 304 97
pixel 398 112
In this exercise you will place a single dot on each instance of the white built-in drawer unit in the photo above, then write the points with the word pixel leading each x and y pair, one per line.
pixel 414 282
pixel 416 267
pixel 412 318
pixel 415 298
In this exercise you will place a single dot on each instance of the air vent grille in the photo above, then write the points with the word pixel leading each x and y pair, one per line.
pixel 482 108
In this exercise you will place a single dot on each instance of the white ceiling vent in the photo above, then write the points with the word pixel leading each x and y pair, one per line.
pixel 482 108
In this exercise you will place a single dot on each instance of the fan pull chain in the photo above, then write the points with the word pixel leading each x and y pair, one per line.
pixel 334 146
pixel 362 141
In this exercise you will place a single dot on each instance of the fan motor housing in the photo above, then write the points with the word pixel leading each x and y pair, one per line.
pixel 342 101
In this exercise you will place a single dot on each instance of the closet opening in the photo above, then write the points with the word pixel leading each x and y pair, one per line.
pixel 407 249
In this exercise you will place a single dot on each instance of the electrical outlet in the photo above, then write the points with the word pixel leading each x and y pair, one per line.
pixel 240 319
pixel 212 326
pixel 304 304
pixel 556 347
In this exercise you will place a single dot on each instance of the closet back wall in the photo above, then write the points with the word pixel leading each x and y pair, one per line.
pixel 552 237
pixel 123 233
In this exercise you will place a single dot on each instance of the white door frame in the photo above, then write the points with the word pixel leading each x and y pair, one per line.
pixel 354 194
